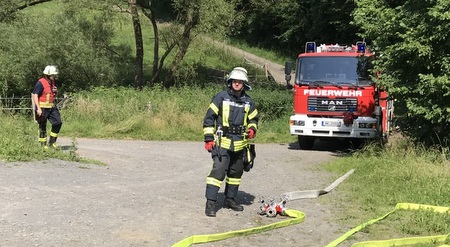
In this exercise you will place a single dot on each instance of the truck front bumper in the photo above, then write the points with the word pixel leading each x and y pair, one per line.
pixel 362 127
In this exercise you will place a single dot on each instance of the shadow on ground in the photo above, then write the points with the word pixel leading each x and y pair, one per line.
pixel 340 147
pixel 243 198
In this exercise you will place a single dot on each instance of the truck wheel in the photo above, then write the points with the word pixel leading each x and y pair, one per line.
pixel 384 140
pixel 306 143
pixel 357 143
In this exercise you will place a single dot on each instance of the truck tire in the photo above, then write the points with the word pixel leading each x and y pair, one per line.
pixel 306 142
pixel 357 143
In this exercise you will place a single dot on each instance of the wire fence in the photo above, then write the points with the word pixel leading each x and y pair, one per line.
pixel 17 104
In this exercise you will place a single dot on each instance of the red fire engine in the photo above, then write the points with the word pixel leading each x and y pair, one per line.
pixel 334 96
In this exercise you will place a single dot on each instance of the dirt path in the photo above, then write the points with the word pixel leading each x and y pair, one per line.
pixel 152 194
pixel 274 69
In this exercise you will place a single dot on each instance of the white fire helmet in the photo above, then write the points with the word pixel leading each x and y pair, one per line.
pixel 239 73
pixel 50 70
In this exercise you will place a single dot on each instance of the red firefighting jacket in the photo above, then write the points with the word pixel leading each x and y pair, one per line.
pixel 47 97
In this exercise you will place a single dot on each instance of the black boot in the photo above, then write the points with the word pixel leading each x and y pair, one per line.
pixel 210 209
pixel 232 204
pixel 51 142
pixel 43 138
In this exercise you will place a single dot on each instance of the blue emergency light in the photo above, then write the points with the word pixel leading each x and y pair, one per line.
pixel 310 47
pixel 361 47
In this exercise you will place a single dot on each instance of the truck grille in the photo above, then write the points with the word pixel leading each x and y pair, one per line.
pixel 325 104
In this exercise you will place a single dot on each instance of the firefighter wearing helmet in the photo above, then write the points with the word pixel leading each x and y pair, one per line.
pixel 44 94
pixel 231 119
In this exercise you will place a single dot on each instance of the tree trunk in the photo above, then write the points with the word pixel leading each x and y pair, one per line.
pixel 9 12
pixel 138 77
pixel 31 3
pixel 192 19
pixel 156 65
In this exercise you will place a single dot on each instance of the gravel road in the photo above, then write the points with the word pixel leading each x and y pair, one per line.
pixel 151 193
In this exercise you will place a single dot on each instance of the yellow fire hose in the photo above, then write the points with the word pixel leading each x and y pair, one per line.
pixel 400 241
pixel 298 217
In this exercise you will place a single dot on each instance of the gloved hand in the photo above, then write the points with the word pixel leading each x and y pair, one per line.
pixel 251 133
pixel 209 145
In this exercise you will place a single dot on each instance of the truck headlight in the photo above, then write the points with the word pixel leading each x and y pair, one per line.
pixel 297 122
pixel 367 125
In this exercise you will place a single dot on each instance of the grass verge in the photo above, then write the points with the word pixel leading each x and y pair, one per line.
pixel 19 142
pixel 402 172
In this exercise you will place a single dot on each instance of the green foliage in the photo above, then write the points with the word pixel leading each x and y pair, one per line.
pixel 216 17
pixel 79 45
pixel 287 25
pixel 6 10
pixel 414 47
pixel 274 104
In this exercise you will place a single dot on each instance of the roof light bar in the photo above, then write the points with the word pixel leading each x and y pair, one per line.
pixel 361 47
pixel 310 47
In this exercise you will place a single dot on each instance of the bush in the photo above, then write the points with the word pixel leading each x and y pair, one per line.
pixel 80 46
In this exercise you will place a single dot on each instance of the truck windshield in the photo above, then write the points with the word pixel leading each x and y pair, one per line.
pixel 334 71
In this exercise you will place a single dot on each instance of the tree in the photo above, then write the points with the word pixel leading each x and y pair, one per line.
pixel 412 39
pixel 202 18
pixel 192 18
pixel 149 9
pixel 138 79
pixel 9 8
pixel 80 46
pixel 284 24
pixel 190 14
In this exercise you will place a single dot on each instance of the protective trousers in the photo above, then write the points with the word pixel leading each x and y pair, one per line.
pixel 231 165
pixel 52 115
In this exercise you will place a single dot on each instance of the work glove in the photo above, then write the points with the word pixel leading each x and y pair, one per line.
pixel 251 133
pixel 209 145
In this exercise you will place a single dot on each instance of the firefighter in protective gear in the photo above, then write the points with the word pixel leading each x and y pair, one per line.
pixel 44 94
pixel 234 114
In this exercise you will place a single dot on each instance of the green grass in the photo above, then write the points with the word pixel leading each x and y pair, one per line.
pixel 149 114
pixel 19 142
pixel 159 114
pixel 410 224
pixel 406 224
pixel 403 172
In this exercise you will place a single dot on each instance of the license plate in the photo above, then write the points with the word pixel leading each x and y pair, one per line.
pixel 331 123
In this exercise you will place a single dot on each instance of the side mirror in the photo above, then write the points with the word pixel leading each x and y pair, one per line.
pixel 288 67
pixel 287 72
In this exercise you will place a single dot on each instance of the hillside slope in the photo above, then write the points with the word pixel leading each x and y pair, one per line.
pixel 275 70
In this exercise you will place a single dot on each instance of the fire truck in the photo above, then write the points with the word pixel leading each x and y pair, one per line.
pixel 335 97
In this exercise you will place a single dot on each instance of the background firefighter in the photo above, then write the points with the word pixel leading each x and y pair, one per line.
pixel 234 112
pixel 44 95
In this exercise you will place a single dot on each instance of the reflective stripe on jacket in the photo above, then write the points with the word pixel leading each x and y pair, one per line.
pixel 47 97
pixel 227 110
